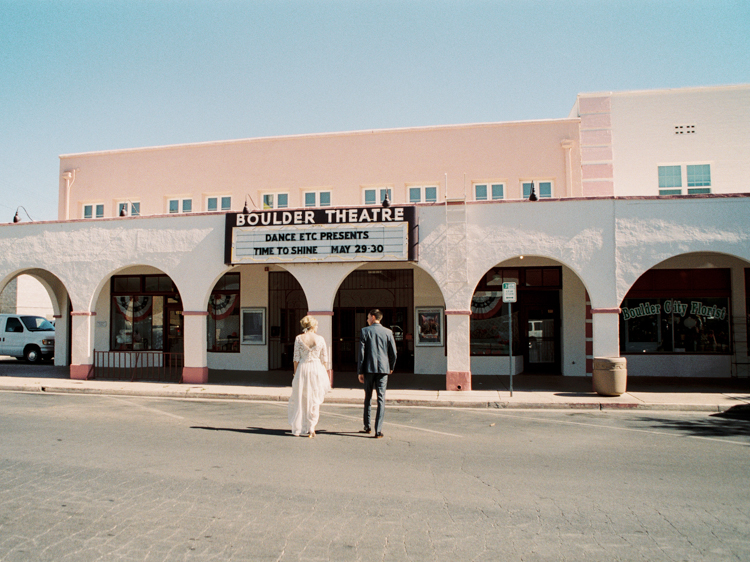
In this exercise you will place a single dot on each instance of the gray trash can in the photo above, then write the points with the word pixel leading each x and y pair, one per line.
pixel 610 376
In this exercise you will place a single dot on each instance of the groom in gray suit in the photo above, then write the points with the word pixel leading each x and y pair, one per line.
pixel 377 357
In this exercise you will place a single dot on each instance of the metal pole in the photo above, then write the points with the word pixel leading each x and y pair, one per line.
pixel 510 344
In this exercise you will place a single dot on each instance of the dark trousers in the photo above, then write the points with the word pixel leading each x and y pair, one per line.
pixel 378 381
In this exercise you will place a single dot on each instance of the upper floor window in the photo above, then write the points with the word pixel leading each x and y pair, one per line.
pixel 489 192
pixel 93 211
pixel 223 203
pixel 375 196
pixel 543 189
pixel 129 209
pixel 698 175
pixel 426 194
pixel 317 199
pixel 275 200
pixel 698 178
pixel 180 205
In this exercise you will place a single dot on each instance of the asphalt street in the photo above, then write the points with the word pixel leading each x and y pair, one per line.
pixel 86 478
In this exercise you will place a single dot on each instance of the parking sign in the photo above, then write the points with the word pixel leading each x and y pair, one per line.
pixel 509 292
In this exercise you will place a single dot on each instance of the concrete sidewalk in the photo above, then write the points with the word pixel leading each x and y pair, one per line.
pixel 530 391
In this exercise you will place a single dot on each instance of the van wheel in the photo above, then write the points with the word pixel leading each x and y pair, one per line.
pixel 32 354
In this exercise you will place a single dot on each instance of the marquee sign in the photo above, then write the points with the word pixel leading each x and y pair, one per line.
pixel 321 235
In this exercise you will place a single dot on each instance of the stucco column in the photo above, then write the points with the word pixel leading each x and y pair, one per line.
pixel 195 370
pixel 82 349
pixel 606 331
pixel 325 328
pixel 458 375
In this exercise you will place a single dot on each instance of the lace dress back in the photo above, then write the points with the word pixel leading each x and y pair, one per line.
pixel 310 384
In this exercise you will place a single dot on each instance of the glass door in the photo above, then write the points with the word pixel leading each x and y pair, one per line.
pixel 541 332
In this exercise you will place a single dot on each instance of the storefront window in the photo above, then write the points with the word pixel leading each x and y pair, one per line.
pixel 138 311
pixel 674 317
pixel 224 315
pixel 489 315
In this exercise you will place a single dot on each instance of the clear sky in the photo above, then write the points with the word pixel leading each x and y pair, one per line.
pixel 83 76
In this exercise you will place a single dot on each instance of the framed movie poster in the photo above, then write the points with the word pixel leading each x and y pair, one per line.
pixel 253 326
pixel 430 328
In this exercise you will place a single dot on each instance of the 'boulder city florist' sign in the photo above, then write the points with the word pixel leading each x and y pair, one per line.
pixel 674 306
pixel 322 235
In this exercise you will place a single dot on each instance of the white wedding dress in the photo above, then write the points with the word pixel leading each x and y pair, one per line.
pixel 310 385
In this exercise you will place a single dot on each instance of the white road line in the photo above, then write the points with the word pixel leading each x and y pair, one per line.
pixel 130 403
pixel 389 424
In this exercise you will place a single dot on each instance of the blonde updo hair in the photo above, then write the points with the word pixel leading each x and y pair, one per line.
pixel 309 324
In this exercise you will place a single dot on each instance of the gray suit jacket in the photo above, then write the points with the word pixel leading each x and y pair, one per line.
pixel 377 350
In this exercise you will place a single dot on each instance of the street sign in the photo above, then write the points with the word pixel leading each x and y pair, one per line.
pixel 509 292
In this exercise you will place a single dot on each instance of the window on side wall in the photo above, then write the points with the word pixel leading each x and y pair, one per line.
pixel 317 198
pixel 375 196
pixel 698 179
pixel 543 189
pixel 94 210
pixel 224 315
pixel 670 180
pixel 218 203
pixel 129 209
pixel 180 206
pixel 275 201
pixel 422 194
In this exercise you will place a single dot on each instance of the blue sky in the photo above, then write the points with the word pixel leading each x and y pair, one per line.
pixel 87 76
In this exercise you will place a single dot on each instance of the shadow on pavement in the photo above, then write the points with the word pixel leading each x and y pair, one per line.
pixel 711 426
pixel 281 432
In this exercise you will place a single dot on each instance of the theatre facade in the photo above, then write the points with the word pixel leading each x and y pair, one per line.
pixel 203 258
pixel 661 282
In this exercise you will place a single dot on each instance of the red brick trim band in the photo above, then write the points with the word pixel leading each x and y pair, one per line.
pixel 195 313
pixel 605 311
pixel 320 312
pixel 458 312
pixel 82 313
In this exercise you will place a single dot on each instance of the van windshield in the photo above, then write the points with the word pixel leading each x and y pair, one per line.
pixel 37 324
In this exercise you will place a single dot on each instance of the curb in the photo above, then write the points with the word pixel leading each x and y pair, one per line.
pixel 200 393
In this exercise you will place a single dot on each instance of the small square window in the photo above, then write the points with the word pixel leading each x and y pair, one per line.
pixel 699 175
pixel 497 191
pixel 174 206
pixel 187 205
pixel 309 199
pixel 135 209
pixel 122 207
pixel 282 200
pixel 545 189
pixel 99 211
pixel 670 192
pixel 325 198
pixel 415 195
pixel 430 194
pixel 370 196
pixel 386 192
pixel 88 211
pixel 226 203
pixel 480 192
pixel 212 204
pixel 268 201
pixel 699 190
pixel 670 176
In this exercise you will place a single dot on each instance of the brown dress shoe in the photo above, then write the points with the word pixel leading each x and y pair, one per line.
pixel 378 436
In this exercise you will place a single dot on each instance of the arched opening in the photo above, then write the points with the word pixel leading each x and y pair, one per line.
pixel 391 291
pixel 688 317
pixel 139 331
pixel 287 305
pixel 546 331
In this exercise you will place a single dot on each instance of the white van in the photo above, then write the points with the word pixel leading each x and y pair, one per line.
pixel 26 337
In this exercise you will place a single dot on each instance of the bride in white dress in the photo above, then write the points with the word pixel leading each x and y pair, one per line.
pixel 311 381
